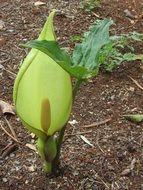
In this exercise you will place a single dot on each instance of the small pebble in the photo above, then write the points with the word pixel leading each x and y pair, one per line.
pixel 112 97
pixel 10 30
pixel 1 24
pixel 25 39
pixel 132 89
pixel 12 155
pixel 18 168
pixel 32 141
pixel 17 119
pixel 4 180
pixel 1 66
pixel 2 41
pixel 75 173
pixel 128 14
pixel 26 182
pixel 31 168
pixel 16 162
pixel 73 122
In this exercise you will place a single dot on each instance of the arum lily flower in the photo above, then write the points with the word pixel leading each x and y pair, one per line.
pixel 43 95
pixel 43 92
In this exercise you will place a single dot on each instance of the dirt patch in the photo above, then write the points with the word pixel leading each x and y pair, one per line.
pixel 116 159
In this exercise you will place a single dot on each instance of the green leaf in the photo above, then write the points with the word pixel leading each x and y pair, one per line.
pixel 137 118
pixel 130 57
pixel 52 49
pixel 136 36
pixel 76 38
pixel 85 61
pixel 86 54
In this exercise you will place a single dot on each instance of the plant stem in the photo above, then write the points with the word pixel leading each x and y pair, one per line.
pixel 41 143
pixel 76 88
pixel 55 163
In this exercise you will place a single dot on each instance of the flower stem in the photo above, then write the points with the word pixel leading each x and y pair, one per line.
pixel 41 143
pixel 55 163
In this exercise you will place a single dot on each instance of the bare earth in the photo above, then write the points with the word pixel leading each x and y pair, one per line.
pixel 115 162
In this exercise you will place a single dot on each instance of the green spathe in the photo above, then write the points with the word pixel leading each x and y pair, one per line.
pixel 42 90
pixel 85 60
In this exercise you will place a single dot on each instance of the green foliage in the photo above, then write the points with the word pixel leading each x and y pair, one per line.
pixel 89 5
pixel 85 59
pixel 96 49
pixel 137 118
pixel 120 49
pixel 76 38
pixel 46 72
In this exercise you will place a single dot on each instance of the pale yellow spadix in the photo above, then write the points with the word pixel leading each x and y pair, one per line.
pixel 42 90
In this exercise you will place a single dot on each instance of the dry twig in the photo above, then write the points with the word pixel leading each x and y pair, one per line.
pixel 81 133
pixel 97 143
pixel 13 138
pixel 98 123
pixel 3 61
pixel 13 74
pixel 105 184
pixel 136 83
pixel 11 129
pixel 8 150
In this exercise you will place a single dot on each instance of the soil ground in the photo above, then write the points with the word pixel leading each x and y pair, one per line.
pixel 115 161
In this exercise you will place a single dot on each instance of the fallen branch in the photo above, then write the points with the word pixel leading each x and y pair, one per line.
pixel 97 143
pixel 105 184
pixel 81 133
pixel 136 83
pixel 13 138
pixel 8 150
pixel 13 74
pixel 3 61
pixel 11 129
pixel 98 123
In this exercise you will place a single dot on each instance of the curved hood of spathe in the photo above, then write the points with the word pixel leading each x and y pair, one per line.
pixel 42 90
